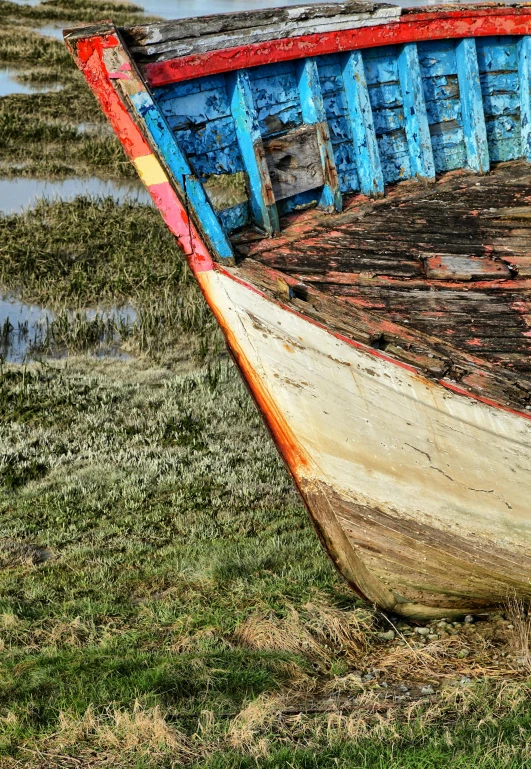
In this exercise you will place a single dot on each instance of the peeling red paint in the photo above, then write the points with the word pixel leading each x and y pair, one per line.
pixel 89 58
pixel 422 26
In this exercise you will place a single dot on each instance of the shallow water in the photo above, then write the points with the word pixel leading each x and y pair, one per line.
pixel 23 329
pixel 9 84
pixel 18 194
pixel 54 29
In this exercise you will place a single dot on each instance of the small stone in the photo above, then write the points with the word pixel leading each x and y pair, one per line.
pixel 433 637
pixel 463 653
pixel 422 630
pixel 389 635
pixel 442 623
pixel 469 619
pixel 510 627
pixel 427 690
pixel 465 681
pixel 403 688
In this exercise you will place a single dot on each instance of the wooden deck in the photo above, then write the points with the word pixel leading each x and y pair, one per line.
pixel 451 260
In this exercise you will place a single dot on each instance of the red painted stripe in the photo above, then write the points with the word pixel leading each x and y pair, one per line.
pixel 425 26
pixel 89 58
pixel 370 350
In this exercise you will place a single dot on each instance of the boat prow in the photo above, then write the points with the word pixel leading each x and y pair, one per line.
pixel 351 185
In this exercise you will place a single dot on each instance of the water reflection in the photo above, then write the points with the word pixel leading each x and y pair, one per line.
pixel 28 331
pixel 9 84
pixel 19 194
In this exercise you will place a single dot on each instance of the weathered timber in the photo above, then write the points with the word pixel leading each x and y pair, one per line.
pixel 362 125
pixel 294 162
pixel 166 40
pixel 472 105
pixel 252 149
pixel 314 114
pixel 435 258
pixel 415 115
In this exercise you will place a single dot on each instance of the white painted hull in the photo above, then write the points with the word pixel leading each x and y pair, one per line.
pixel 430 487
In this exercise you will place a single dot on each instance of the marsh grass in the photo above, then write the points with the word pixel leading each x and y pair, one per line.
pixel 39 131
pixel 95 252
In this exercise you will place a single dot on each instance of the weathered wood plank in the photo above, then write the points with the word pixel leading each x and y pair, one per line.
pixel 262 199
pixel 477 149
pixel 161 41
pixel 294 162
pixel 415 115
pixel 360 115
pixel 524 74
pixel 160 136
pixel 453 267
pixel 313 113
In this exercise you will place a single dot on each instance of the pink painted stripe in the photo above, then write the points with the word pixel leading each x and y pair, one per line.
pixel 180 225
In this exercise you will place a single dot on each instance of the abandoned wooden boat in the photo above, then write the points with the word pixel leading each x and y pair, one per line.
pixel 351 184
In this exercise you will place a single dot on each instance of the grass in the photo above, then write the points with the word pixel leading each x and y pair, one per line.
pixel 86 253
pixel 41 133
pixel 163 598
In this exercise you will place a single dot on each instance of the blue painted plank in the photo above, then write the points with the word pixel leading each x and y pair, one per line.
pixel 227 161
pixel 442 87
pixel 360 114
pixel 212 136
pixel 299 202
pixel 235 217
pixel 415 116
pixel 313 113
pixel 472 106
pixel 437 58
pixel 250 142
pixel 497 54
pixel 162 138
pixel 385 96
pixel 444 110
pixel 524 73
pixel 279 118
pixel 196 108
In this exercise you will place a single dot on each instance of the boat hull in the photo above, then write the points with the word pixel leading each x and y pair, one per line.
pixel 419 494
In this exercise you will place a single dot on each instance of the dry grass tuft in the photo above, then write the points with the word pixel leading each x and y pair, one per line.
pixel 246 731
pixel 132 733
pixel 520 617
pixel 320 632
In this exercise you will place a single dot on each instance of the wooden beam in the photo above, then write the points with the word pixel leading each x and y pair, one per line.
pixel 477 149
pixel 313 113
pixel 438 24
pixel 361 123
pixel 175 167
pixel 261 196
pixel 415 115
pixel 524 74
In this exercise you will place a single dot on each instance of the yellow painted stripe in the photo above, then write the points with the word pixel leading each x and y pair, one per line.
pixel 150 170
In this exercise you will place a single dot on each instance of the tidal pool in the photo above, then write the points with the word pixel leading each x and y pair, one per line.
pixel 54 30
pixel 28 331
pixel 19 194
pixel 9 84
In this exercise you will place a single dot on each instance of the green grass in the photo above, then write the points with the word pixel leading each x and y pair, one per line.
pixel 164 600
pixel 40 135
pixel 95 252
